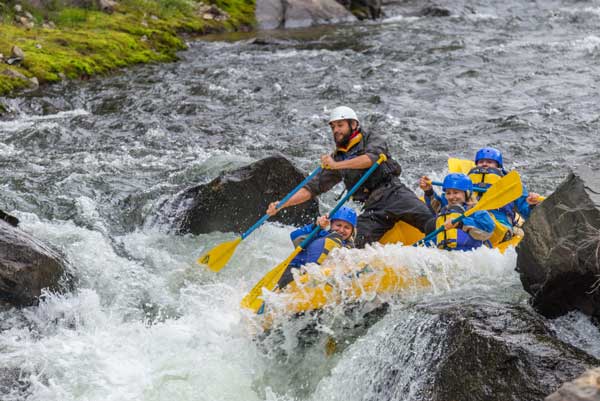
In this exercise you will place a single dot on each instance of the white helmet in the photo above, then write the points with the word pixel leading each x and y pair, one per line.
pixel 343 113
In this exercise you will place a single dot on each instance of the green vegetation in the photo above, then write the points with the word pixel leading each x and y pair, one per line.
pixel 77 42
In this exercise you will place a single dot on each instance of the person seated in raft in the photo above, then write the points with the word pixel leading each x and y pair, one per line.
pixel 341 234
pixel 470 233
pixel 488 170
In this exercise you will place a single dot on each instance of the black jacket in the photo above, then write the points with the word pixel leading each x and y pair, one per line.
pixel 370 145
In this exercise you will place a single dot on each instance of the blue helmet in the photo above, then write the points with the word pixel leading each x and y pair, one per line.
pixel 489 153
pixel 458 181
pixel 346 214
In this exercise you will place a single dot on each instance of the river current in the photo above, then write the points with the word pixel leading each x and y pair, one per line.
pixel 87 165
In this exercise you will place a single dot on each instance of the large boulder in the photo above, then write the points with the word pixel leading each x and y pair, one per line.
pixel 235 200
pixel 471 350
pixel 27 266
pixel 494 351
pixel 559 258
pixel 584 388
pixel 271 14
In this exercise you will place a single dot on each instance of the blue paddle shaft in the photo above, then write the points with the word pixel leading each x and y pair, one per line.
pixel 282 202
pixel 476 189
pixel 343 200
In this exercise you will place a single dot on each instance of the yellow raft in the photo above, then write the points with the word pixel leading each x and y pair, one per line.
pixel 312 292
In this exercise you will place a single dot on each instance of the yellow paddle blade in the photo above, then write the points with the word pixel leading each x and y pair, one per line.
pixel 269 281
pixel 506 190
pixel 218 257
pixel 460 165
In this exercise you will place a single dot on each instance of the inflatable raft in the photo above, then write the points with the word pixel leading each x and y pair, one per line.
pixel 315 291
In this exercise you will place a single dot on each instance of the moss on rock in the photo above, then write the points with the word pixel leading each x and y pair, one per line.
pixel 79 42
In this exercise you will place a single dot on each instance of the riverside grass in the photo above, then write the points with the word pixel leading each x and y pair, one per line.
pixel 87 42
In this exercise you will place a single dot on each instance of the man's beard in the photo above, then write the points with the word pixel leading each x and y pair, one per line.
pixel 342 143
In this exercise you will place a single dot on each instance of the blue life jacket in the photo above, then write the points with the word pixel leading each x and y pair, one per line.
pixel 318 249
pixel 315 252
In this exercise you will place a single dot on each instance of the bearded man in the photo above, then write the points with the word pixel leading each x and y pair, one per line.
pixel 386 200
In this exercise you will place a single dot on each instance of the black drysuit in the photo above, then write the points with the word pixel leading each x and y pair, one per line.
pixel 386 200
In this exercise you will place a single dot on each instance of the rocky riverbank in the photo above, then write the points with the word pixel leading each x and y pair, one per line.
pixel 43 41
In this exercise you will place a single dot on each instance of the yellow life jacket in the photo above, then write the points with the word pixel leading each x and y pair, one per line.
pixel 330 243
pixel 446 238
pixel 455 238
pixel 355 139
pixel 485 177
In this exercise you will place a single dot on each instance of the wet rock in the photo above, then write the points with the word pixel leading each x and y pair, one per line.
pixel 234 201
pixel 434 11
pixel 559 258
pixel 35 83
pixel 363 9
pixel 27 266
pixel 17 52
pixel 12 220
pixel 420 8
pixel 49 25
pixel 269 14
pixel 472 351
pixel 302 13
pixel 211 12
pixel 584 388
pixel 108 6
pixel 14 74
pixel 272 14
pixel 17 55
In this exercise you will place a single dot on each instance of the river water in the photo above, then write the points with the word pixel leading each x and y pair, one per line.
pixel 86 166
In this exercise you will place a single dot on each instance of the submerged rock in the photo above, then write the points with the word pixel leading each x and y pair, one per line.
pixel 424 8
pixel 559 258
pixel 12 220
pixel 235 200
pixel 27 266
pixel 584 388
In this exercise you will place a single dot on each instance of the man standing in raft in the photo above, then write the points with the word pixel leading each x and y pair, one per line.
pixel 386 200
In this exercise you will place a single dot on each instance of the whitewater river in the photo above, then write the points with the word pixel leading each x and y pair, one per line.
pixel 86 165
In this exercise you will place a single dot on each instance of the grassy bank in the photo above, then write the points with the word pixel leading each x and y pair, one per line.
pixel 61 42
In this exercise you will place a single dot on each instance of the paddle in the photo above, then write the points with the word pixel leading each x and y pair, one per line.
pixel 460 165
pixel 506 190
pixel 217 257
pixel 270 280
pixel 477 189
pixel 464 166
